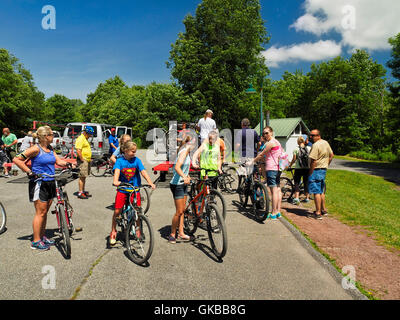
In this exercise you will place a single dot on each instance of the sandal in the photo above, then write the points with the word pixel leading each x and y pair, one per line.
pixel 113 237
pixel 184 238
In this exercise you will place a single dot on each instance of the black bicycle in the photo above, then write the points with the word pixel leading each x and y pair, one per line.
pixel 3 218
pixel 228 181
pixel 250 188
pixel 135 226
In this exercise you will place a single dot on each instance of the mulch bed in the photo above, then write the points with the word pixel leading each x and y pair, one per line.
pixel 377 268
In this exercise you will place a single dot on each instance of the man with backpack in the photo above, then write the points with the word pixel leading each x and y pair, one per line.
pixel 301 169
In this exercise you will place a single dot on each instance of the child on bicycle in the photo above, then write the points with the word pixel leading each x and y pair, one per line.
pixel 127 169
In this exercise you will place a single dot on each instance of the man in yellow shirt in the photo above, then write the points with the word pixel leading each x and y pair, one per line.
pixel 84 153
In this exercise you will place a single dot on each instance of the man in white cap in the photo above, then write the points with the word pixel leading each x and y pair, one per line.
pixel 206 125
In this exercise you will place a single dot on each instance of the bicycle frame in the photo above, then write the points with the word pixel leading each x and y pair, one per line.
pixel 203 193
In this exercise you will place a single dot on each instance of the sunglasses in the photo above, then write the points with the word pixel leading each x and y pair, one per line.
pixel 313 135
pixel 266 132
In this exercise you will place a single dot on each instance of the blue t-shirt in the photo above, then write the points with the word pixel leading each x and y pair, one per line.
pixel 130 170
pixel 114 140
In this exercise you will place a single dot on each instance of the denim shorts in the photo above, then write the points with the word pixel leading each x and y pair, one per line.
pixel 179 191
pixel 316 181
pixel 273 178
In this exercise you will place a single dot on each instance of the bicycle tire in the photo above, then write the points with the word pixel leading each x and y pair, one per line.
pixel 231 181
pixel 243 195
pixel 190 220
pixel 287 188
pixel 99 168
pixel 3 218
pixel 260 206
pixel 62 212
pixel 221 204
pixel 215 227
pixel 145 199
pixel 137 253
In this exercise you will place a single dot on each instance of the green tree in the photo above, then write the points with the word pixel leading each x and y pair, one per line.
pixel 20 101
pixel 61 110
pixel 394 111
pixel 218 55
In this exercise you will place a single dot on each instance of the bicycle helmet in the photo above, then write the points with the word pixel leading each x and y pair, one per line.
pixel 89 130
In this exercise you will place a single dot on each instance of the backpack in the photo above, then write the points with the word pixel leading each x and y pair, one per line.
pixel 303 157
pixel 283 160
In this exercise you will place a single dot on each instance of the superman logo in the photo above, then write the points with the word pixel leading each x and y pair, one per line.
pixel 128 173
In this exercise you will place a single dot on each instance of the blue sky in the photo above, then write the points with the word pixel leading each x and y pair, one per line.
pixel 96 40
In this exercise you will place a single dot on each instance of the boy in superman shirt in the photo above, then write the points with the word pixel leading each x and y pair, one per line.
pixel 127 169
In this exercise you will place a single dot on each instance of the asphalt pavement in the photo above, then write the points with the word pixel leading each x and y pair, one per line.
pixel 268 261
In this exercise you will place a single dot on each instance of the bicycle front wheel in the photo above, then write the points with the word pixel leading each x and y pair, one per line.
pixel 145 199
pixel 242 191
pixel 3 218
pixel 260 201
pixel 139 239
pixel 66 241
pixel 217 198
pixel 216 229
pixel 99 168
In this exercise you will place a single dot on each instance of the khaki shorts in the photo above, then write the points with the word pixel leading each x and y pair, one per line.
pixel 84 169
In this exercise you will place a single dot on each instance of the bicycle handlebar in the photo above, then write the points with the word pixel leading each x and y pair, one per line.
pixel 42 175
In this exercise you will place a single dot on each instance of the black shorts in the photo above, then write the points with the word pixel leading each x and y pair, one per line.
pixel 42 190
pixel 179 191
pixel 301 173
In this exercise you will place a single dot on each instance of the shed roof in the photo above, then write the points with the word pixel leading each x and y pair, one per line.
pixel 283 128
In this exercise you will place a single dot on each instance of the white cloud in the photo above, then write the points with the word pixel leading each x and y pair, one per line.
pixel 363 24
pixel 320 50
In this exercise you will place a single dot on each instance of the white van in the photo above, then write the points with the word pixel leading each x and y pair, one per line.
pixel 98 142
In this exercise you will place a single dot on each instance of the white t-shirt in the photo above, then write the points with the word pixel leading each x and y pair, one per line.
pixel 26 143
pixel 206 126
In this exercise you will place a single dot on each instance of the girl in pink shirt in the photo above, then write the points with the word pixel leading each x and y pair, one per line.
pixel 272 152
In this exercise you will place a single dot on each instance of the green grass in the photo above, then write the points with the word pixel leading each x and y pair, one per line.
pixel 368 201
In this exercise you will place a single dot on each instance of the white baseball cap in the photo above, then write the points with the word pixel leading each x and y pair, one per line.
pixel 209 111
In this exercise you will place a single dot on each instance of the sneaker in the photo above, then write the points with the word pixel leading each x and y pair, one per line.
pixel 6 176
pixel 171 239
pixel 273 217
pixel 47 241
pixel 87 194
pixel 82 196
pixel 278 215
pixel 324 213
pixel 306 200
pixel 39 245
pixel 113 238
pixel 317 216
pixel 296 201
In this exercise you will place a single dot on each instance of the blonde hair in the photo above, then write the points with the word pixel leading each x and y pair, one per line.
pixel 128 145
pixel 125 138
pixel 42 132
pixel 300 140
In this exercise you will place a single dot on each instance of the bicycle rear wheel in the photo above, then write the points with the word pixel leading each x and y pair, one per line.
pixel 66 241
pixel 99 167
pixel 287 188
pixel 3 218
pixel 231 180
pixel 139 239
pixel 260 201
pixel 190 220
pixel 242 191
pixel 216 231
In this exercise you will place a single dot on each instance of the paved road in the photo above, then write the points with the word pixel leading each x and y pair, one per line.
pixel 264 261
pixel 389 174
